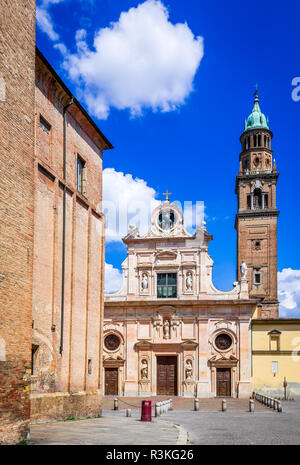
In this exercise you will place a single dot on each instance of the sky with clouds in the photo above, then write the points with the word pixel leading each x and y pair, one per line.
pixel 170 84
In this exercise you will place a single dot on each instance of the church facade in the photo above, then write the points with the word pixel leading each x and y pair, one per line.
pixel 168 330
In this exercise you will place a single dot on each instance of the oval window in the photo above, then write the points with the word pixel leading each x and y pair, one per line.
pixel 112 342
pixel 223 341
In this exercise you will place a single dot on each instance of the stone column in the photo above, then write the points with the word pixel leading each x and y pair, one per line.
pixel 131 375
pixel 203 382
pixel 245 382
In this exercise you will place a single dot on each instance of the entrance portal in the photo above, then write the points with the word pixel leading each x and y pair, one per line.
pixel 111 381
pixel 223 382
pixel 167 376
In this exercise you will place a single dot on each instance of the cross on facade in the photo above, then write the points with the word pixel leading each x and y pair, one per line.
pixel 167 193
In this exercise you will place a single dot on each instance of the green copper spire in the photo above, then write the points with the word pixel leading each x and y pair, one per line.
pixel 256 119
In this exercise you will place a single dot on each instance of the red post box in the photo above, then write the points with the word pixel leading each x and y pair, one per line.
pixel 146 410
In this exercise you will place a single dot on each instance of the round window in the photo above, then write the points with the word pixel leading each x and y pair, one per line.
pixel 223 341
pixel 166 220
pixel 112 342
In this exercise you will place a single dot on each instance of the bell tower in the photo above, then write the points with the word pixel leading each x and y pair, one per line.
pixel 256 219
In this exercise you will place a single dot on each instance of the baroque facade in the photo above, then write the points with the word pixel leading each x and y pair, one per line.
pixel 169 331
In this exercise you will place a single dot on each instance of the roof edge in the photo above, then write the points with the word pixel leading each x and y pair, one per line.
pixel 77 103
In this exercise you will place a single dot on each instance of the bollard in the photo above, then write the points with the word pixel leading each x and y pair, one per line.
pixel 196 405
pixel 224 405
pixel 279 407
pixel 157 410
pixel 146 410
pixel 275 404
pixel 171 404
pixel 251 405
pixel 128 412
pixel 271 402
pixel 116 407
pixel 268 401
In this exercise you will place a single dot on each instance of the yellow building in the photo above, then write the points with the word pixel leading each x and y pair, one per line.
pixel 276 356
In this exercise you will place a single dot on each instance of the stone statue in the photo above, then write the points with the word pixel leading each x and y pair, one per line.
pixel 244 271
pixel 189 282
pixel 189 370
pixel 166 329
pixel 144 369
pixel 144 282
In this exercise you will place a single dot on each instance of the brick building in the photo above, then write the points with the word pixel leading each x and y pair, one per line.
pixel 52 238
pixel 256 219
pixel 17 74
pixel 68 265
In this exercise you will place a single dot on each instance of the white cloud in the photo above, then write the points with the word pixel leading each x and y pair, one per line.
pixel 289 292
pixel 142 61
pixel 44 21
pixel 62 48
pixel 113 279
pixel 126 200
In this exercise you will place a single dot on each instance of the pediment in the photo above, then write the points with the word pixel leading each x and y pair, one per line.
pixel 221 358
pixel 166 255
pixel 188 344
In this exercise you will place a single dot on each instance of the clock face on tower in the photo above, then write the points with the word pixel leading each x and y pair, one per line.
pixel 166 219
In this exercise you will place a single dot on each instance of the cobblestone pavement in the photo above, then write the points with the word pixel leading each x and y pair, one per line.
pixel 111 429
pixel 227 428
pixel 208 426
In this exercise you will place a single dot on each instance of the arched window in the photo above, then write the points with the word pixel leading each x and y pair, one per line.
pixel 257 199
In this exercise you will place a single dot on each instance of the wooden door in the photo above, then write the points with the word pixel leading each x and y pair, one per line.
pixel 223 382
pixel 167 376
pixel 111 381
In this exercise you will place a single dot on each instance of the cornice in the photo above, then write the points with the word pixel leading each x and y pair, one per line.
pixel 257 214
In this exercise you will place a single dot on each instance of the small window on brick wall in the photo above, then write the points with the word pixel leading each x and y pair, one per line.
pixel 44 125
pixel 257 278
pixel 34 358
pixel 81 175
pixel 89 366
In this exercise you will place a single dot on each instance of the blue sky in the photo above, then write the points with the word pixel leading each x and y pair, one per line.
pixel 188 141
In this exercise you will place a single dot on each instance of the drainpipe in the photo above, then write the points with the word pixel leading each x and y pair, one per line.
pixel 64 230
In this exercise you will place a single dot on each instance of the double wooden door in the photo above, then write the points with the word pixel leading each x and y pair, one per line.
pixel 167 376
pixel 111 381
pixel 223 382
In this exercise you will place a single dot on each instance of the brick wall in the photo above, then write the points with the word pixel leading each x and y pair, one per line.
pixel 17 52
pixel 62 385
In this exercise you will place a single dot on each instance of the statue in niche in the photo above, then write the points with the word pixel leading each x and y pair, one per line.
pixel 244 271
pixel 145 282
pixel 144 369
pixel 189 281
pixel 189 369
pixel 166 329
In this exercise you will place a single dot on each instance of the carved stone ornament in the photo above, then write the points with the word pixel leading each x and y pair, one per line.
pixel 166 329
pixel 145 282
pixel 188 370
pixel 144 369
pixel 244 271
pixel 189 281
